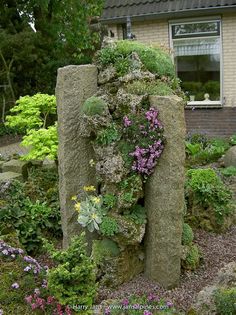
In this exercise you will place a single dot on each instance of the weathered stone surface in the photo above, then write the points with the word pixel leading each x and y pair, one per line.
pixel 9 176
pixel 126 266
pixel 164 197
pixel 74 85
pixel 129 232
pixel 1 165
pixel 230 157
pixel 106 75
pixel 225 279
pixel 16 166
pixel 48 164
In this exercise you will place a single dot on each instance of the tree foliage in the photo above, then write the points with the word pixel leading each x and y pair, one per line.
pixel 37 37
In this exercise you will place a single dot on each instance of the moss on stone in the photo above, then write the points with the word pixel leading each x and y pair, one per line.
pixel 103 249
pixel 156 60
pixel 156 87
pixel 94 106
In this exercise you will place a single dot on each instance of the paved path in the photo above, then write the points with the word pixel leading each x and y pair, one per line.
pixel 15 148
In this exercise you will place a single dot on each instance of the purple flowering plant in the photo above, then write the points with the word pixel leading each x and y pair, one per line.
pixel 149 304
pixel 27 278
pixel 143 132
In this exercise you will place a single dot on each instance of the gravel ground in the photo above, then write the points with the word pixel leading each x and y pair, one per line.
pixel 217 250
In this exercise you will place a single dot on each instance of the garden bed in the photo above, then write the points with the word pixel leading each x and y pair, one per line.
pixel 217 250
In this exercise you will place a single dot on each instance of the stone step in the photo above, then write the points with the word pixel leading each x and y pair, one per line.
pixel 9 176
pixel 16 166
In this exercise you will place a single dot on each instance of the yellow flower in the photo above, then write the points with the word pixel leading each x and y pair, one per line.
pixel 89 188
pixel 73 198
pixel 94 216
pixel 96 200
pixel 77 206
pixel 92 163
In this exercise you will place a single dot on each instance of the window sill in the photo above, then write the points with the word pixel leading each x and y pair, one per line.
pixel 203 104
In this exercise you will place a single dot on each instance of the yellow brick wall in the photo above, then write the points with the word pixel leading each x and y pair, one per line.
pixel 157 32
pixel 229 59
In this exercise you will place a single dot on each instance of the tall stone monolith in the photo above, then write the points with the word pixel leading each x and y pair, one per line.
pixel 74 85
pixel 164 197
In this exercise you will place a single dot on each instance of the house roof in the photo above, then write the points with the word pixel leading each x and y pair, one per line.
pixel 118 10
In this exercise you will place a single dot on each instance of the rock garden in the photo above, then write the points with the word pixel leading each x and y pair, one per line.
pixel 115 209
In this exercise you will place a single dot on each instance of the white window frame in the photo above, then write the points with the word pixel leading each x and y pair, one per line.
pixel 202 104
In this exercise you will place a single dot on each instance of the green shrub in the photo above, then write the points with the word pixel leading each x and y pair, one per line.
pixel 225 300
pixel 209 191
pixel 94 106
pixel 151 88
pixel 31 220
pixel 108 135
pixel 191 261
pixel 7 130
pixel 228 171
pixel 156 60
pixel 43 144
pixel 187 236
pixel 109 226
pixel 32 112
pixel 72 280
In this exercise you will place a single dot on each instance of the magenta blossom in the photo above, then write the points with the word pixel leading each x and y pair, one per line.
pixel 125 302
pixel 127 122
pixel 15 285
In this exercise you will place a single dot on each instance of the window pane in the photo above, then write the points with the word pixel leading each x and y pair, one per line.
pixel 198 66
pixel 194 29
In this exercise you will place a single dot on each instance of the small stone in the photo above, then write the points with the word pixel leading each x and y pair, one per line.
pixel 230 157
pixel 16 166
pixel 1 165
pixel 9 176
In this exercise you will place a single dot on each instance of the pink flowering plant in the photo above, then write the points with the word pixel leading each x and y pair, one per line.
pixel 150 304
pixel 143 132
pixel 24 281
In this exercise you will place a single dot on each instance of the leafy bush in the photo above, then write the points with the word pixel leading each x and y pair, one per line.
pixel 32 112
pixel 209 191
pixel 72 281
pixel 31 220
pixel 187 236
pixel 200 150
pixel 34 116
pixel 109 226
pixel 151 88
pixel 225 301
pixel 43 144
pixel 94 106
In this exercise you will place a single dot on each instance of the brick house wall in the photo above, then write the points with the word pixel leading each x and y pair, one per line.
pixel 215 122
